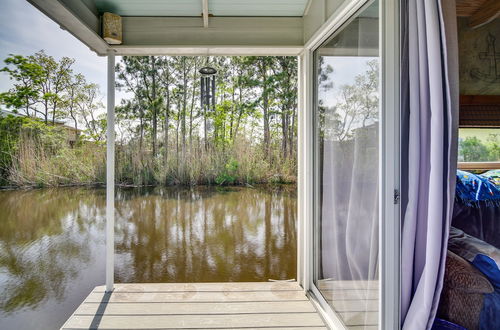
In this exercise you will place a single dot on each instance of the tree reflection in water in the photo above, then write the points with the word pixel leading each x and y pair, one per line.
pixel 205 235
pixel 45 237
pixel 52 243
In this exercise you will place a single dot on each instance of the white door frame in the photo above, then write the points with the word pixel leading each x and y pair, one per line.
pixel 389 232
pixel 389 170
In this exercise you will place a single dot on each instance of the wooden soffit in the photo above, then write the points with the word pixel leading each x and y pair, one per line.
pixel 479 111
pixel 479 12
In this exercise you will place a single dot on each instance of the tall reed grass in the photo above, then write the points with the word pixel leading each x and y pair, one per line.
pixel 39 163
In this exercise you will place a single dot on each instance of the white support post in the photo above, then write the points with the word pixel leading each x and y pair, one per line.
pixel 110 174
pixel 300 173
pixel 306 173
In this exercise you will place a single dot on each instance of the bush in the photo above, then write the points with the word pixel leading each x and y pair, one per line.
pixel 10 127
pixel 229 174
pixel 472 149
pixel 40 155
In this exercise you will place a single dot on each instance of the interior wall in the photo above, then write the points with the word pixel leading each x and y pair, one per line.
pixel 479 58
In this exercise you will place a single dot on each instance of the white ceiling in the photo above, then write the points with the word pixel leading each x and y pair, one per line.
pixel 194 7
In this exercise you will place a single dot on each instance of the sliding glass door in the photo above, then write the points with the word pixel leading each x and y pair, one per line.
pixel 347 171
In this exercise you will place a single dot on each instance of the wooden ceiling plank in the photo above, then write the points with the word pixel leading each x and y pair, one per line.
pixel 465 8
pixel 489 11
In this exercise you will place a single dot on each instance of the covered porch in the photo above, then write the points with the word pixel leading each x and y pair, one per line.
pixel 232 28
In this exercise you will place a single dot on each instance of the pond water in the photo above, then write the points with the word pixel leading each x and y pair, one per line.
pixel 52 243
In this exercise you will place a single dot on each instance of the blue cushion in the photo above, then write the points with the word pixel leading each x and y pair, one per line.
pixel 440 324
pixel 490 313
pixel 489 268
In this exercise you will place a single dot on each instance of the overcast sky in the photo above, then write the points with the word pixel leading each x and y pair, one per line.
pixel 24 30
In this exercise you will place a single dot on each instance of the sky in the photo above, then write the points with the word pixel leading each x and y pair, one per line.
pixel 24 30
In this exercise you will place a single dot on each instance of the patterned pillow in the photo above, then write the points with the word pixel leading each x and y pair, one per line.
pixel 493 176
pixel 473 188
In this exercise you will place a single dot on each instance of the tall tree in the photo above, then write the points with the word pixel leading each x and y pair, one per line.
pixel 90 106
pixel 26 77
pixel 74 98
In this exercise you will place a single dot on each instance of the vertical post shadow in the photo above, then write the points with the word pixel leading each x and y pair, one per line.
pixel 96 321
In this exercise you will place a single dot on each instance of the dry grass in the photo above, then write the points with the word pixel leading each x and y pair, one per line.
pixel 38 164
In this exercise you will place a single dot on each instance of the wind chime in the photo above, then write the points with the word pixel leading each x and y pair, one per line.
pixel 207 97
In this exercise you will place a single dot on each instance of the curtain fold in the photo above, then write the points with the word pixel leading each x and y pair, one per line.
pixel 430 98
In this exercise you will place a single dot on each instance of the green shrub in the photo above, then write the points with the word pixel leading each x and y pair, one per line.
pixel 229 174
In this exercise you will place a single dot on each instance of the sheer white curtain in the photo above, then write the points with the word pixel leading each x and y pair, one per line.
pixel 350 207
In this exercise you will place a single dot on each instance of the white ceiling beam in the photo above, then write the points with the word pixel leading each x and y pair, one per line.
pixel 205 13
pixel 123 50
pixel 77 19
pixel 306 9
pixel 225 31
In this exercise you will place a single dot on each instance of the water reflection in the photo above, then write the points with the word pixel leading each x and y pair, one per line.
pixel 44 240
pixel 204 235
pixel 52 243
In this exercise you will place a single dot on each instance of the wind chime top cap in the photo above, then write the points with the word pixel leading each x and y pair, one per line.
pixel 208 71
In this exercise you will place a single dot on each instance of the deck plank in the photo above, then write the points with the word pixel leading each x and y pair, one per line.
pixel 195 308
pixel 350 294
pixel 209 287
pixel 198 322
pixel 337 284
pixel 266 305
pixel 193 296
pixel 355 305
pixel 359 318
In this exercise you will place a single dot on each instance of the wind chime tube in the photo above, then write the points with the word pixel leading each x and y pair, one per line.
pixel 207 92
pixel 202 85
pixel 213 93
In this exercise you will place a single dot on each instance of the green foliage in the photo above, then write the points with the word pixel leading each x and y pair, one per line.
pixel 229 175
pixel 49 89
pixel 164 136
pixel 472 149
pixel 10 127
pixel 494 147
pixel 27 77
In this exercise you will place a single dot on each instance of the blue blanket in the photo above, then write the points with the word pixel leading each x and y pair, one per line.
pixel 476 190
pixel 490 314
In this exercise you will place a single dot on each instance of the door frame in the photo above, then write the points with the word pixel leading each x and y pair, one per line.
pixel 389 153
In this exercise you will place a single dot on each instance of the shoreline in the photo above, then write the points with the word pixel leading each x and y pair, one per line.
pixel 98 185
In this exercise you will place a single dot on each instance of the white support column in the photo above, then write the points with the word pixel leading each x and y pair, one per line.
pixel 300 173
pixel 110 175
pixel 306 163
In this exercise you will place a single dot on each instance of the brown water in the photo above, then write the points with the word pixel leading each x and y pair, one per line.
pixel 52 243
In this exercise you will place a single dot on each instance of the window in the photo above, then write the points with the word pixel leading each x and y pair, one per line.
pixel 479 145
pixel 347 171
pixel 478 149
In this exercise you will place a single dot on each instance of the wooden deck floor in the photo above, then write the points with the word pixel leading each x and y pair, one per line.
pixel 355 302
pixel 261 305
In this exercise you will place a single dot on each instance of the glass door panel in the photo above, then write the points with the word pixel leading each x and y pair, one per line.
pixel 346 166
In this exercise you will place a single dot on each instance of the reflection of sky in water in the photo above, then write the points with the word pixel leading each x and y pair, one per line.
pixel 52 243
